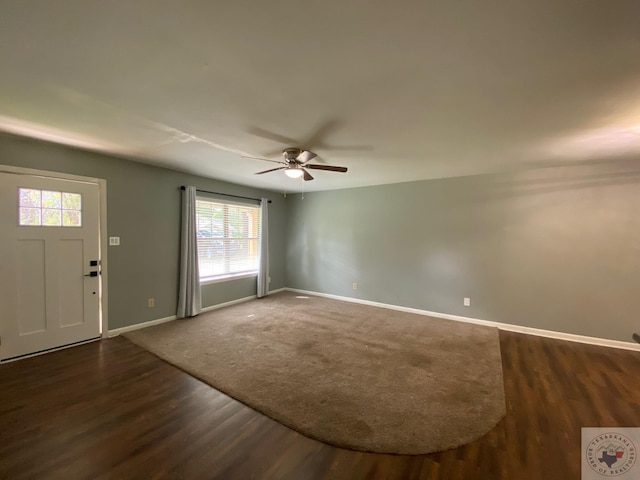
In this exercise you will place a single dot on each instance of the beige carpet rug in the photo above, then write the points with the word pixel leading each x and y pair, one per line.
pixel 350 375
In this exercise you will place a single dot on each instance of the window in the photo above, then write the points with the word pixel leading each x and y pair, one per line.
pixel 49 209
pixel 228 238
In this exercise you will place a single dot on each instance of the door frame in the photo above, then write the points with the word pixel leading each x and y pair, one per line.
pixel 102 188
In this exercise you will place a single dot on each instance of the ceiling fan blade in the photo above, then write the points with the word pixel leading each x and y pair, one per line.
pixel 346 148
pixel 264 159
pixel 322 132
pixel 307 175
pixel 260 132
pixel 330 168
pixel 305 156
pixel 272 170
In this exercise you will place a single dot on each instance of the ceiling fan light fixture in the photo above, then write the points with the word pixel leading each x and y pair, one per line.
pixel 293 172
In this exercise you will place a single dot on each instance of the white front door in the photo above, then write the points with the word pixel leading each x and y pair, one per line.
pixel 49 247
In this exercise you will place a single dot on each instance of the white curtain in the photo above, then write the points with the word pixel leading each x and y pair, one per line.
pixel 263 271
pixel 189 299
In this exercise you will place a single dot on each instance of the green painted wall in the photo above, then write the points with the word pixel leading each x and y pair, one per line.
pixel 551 248
pixel 143 209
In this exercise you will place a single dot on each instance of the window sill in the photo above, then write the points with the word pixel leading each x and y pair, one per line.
pixel 226 278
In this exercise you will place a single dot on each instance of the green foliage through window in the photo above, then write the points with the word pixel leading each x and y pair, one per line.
pixel 49 209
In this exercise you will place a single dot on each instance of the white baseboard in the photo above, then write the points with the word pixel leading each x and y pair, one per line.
pixel 118 331
pixel 130 328
pixel 603 342
pixel 570 337
pixel 229 303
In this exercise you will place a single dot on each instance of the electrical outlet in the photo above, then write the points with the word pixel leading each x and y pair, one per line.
pixel 114 241
pixel 151 302
pixel 355 286
pixel 467 302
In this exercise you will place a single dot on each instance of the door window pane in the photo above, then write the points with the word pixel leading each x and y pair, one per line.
pixel 71 201
pixel 30 216
pixel 51 218
pixel 71 218
pixel 29 197
pixel 51 199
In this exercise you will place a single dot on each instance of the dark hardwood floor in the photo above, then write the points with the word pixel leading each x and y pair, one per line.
pixel 111 410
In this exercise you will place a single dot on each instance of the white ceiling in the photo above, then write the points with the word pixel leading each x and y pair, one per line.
pixel 412 89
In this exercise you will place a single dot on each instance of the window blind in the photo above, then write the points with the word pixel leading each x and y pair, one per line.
pixel 228 238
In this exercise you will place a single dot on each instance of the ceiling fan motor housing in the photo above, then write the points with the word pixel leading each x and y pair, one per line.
pixel 291 154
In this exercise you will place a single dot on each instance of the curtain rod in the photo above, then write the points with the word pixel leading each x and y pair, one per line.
pixel 225 194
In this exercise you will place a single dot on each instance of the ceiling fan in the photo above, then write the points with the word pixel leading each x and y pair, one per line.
pixel 295 161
